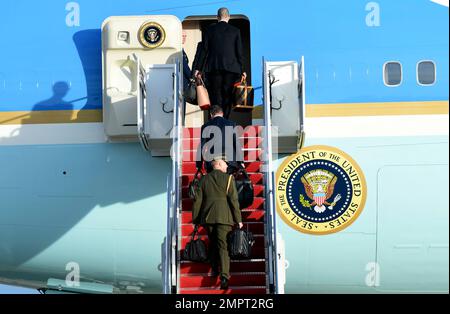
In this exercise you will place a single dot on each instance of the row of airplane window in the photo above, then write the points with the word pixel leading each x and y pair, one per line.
pixel 425 73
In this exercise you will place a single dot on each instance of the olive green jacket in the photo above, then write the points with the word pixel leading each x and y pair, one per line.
pixel 213 204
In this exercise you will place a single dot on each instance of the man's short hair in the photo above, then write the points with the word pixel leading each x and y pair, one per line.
pixel 220 158
pixel 215 110
pixel 223 13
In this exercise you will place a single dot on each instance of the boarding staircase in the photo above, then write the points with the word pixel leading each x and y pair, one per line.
pixel 264 272
pixel 149 82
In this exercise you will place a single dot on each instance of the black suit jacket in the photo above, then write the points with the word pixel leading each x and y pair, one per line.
pixel 200 59
pixel 186 70
pixel 232 149
pixel 222 48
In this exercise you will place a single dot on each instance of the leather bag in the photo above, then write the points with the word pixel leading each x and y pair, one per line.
pixel 194 186
pixel 244 188
pixel 195 250
pixel 243 96
pixel 190 93
pixel 240 243
pixel 203 100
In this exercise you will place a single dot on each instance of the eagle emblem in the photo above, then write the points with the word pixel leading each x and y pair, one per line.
pixel 319 187
pixel 152 35
pixel 320 190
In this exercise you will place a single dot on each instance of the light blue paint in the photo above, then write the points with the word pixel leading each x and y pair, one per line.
pixel 337 262
pixel 109 209
pixel 425 247
pixel 332 35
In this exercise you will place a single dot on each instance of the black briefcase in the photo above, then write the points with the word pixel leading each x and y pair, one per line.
pixel 244 188
pixel 190 93
pixel 195 250
pixel 240 243
pixel 194 186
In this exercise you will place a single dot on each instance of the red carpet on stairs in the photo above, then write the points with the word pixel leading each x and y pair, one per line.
pixel 247 276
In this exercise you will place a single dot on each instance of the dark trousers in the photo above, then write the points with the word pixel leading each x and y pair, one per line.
pixel 218 248
pixel 220 88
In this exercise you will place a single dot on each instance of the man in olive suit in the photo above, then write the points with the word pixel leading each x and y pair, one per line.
pixel 216 207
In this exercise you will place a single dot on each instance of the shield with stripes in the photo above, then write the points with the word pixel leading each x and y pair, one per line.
pixel 319 198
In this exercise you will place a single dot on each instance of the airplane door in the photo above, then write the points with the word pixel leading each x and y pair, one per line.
pixel 141 57
pixel 284 94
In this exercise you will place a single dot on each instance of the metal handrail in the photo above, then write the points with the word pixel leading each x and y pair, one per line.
pixel 174 192
pixel 269 191
pixel 167 243
pixel 177 159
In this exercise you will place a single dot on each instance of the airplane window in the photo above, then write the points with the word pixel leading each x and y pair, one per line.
pixel 426 73
pixel 392 73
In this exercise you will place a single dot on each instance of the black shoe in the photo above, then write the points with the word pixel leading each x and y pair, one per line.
pixel 224 283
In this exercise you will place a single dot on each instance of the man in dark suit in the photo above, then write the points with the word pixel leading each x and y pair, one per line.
pixel 187 75
pixel 222 48
pixel 219 138
pixel 216 207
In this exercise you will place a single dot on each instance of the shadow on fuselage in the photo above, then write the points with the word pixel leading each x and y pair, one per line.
pixel 89 47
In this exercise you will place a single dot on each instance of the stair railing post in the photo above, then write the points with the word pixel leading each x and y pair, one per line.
pixel 269 180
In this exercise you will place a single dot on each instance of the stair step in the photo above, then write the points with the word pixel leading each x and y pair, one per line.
pixel 252 142
pixel 235 266
pixel 257 253
pixel 253 131
pixel 258 191
pixel 190 167
pixel 258 203
pixel 253 227
pixel 189 133
pixel 246 142
pixel 253 154
pixel 254 166
pixel 259 241
pixel 256 178
pixel 232 291
pixel 236 280
pixel 248 215
pixel 250 131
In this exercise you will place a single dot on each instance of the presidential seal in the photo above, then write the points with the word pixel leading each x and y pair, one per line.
pixel 152 35
pixel 320 190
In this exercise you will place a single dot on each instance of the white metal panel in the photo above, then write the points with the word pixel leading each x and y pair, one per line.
pixel 158 120
pixel 120 40
pixel 286 103
pixel 141 103
pixel 281 264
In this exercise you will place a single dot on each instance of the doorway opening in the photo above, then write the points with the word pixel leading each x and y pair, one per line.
pixel 194 27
